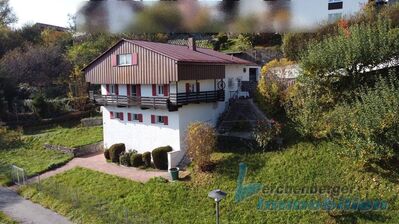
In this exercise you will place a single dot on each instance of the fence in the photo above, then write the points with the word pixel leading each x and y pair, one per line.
pixel 18 175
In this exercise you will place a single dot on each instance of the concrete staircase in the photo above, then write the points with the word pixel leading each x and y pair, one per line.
pixel 239 118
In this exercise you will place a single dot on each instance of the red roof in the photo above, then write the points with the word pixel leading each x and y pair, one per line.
pixel 183 54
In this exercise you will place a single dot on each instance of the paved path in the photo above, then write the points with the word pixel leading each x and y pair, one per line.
pixel 25 211
pixel 97 162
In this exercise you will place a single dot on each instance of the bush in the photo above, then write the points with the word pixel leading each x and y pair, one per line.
pixel 369 125
pixel 106 154
pixel 115 151
pixel 125 159
pixel 271 88
pixel 201 142
pixel 266 131
pixel 147 159
pixel 9 138
pixel 160 157
pixel 136 160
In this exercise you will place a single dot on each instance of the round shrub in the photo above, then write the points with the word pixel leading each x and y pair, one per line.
pixel 115 151
pixel 147 159
pixel 125 159
pixel 106 154
pixel 160 157
pixel 136 160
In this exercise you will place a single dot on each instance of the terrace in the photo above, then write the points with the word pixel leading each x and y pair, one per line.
pixel 172 102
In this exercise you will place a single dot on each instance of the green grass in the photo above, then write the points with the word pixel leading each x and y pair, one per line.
pixel 94 197
pixel 31 155
pixel 4 219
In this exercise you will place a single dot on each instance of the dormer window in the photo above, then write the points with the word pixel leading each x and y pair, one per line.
pixel 124 59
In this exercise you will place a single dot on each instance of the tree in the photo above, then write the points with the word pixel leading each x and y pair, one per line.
pixel 7 16
pixel 271 87
pixel 201 142
pixel 341 62
pixel 38 66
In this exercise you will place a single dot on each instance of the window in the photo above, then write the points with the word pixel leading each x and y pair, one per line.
pixel 119 115
pixel 335 4
pixel 124 59
pixel 159 119
pixel 132 90
pixel 135 117
pixel 160 89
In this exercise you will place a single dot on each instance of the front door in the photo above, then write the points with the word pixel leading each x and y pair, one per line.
pixel 252 74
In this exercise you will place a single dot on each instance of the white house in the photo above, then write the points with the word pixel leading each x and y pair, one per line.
pixel 150 92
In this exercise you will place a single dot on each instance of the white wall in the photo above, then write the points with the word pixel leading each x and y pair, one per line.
pixel 143 136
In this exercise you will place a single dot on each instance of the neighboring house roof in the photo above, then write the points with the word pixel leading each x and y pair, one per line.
pixel 182 54
pixel 52 27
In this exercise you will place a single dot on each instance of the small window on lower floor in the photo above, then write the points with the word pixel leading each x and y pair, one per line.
pixel 119 115
pixel 160 119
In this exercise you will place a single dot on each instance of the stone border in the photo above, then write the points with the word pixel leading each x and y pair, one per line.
pixel 79 151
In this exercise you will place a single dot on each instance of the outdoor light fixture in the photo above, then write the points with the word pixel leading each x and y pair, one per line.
pixel 217 195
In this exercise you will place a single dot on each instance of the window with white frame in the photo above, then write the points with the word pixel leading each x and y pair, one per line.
pixel 160 90
pixel 136 117
pixel 112 89
pixel 124 59
pixel 119 115
pixel 160 119
pixel 133 90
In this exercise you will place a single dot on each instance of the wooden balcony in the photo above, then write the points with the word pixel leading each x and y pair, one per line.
pixel 171 102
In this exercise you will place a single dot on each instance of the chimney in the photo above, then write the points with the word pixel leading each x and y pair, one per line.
pixel 191 44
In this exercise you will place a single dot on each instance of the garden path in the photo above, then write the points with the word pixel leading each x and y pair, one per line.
pixel 25 211
pixel 97 162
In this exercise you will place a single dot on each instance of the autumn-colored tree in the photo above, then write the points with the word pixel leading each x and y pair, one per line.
pixel 201 142
pixel 271 87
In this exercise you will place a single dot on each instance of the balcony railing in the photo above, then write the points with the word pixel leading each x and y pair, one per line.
pixel 171 102
pixel 180 99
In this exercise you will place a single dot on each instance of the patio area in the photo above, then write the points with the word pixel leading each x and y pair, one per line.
pixel 97 162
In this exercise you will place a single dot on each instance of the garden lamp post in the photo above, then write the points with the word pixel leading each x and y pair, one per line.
pixel 217 195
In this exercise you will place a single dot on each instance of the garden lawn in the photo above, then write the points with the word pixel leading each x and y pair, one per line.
pixel 92 197
pixel 35 159
pixel 4 219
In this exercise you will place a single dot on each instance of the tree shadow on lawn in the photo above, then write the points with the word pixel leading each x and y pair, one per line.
pixel 388 170
pixel 356 216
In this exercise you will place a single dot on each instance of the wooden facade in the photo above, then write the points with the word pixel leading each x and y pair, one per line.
pixel 152 68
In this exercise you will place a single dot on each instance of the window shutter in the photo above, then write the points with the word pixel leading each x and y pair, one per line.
pixel 107 87
pixel 116 89
pixel 166 90
pixel 154 90
pixel 111 115
pixel 187 87
pixel 129 116
pixel 113 60
pixel 198 87
pixel 138 90
pixel 134 58
pixel 152 119
pixel 121 116
pixel 128 89
pixel 140 117
pixel 165 120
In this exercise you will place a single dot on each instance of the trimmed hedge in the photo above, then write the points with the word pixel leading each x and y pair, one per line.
pixel 125 159
pixel 147 159
pixel 136 160
pixel 160 157
pixel 106 154
pixel 115 151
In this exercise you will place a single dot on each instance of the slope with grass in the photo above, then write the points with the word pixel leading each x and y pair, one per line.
pixel 4 219
pixel 100 198
pixel 31 156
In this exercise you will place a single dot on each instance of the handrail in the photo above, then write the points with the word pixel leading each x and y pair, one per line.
pixel 178 99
